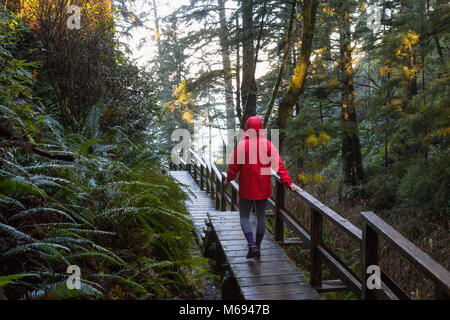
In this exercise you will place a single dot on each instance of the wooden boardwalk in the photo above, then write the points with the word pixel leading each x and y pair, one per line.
pixel 273 276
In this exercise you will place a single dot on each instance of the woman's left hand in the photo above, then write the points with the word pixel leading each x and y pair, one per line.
pixel 293 187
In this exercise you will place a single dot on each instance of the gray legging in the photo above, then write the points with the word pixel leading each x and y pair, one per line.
pixel 244 211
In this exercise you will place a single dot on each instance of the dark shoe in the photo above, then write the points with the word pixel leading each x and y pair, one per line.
pixel 258 252
pixel 252 251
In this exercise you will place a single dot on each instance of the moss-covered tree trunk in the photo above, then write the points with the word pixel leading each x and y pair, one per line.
pixel 351 149
pixel 227 75
pixel 248 88
pixel 297 84
pixel 282 66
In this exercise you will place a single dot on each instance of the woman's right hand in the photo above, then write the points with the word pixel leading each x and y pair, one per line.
pixel 294 188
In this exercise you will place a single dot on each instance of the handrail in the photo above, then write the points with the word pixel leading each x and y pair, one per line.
pixel 328 213
pixel 438 274
pixel 320 254
pixel 216 172
pixel 197 157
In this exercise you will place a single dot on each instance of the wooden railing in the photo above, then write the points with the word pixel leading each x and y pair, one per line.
pixel 211 179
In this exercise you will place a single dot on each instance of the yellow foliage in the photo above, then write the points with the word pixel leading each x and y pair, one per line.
pixel 438 133
pixel 312 140
pixel 310 178
pixel 334 82
pixel 324 138
pixel 188 116
pixel 328 11
pixel 363 7
pixel 157 35
pixel 182 101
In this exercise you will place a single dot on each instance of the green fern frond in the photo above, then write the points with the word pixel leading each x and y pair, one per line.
pixel 57 180
pixel 33 211
pixel 60 291
pixel 90 232
pixel 15 167
pixel 10 202
pixel 129 282
pixel 4 280
pixel 119 184
pixel 9 114
pixel 55 225
pixel 16 234
pixel 50 166
pixel 94 254
pixel 31 247
pixel 86 145
pixel 13 185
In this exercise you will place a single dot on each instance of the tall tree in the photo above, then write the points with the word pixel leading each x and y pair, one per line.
pixel 297 83
pixel 282 66
pixel 351 149
pixel 248 87
pixel 227 71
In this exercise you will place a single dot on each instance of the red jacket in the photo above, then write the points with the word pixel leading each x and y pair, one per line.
pixel 253 158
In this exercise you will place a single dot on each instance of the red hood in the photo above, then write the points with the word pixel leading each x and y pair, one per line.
pixel 254 123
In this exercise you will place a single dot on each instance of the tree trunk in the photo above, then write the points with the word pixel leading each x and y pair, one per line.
pixel 157 30
pixel 238 71
pixel 228 77
pixel 248 88
pixel 351 150
pixel 297 84
pixel 282 66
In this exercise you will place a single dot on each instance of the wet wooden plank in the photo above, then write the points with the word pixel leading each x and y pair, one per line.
pixel 243 253
pixel 276 288
pixel 299 295
pixel 267 280
pixel 258 267
pixel 271 276
pixel 262 259
pixel 264 272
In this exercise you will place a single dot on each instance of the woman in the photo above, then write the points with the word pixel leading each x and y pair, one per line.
pixel 253 159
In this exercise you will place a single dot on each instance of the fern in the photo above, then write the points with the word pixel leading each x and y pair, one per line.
pixel 16 234
pixel 45 247
pixel 9 114
pixel 4 280
pixel 12 185
pixel 129 282
pixel 50 166
pixel 98 255
pixel 7 201
pixel 60 291
pixel 33 211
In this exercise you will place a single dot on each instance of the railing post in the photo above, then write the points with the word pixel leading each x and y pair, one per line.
pixel 217 193
pixel 369 257
pixel 279 204
pixel 188 162
pixel 223 201
pixel 233 206
pixel 316 239
pixel 195 170
pixel 207 180
pixel 201 176
pixel 212 182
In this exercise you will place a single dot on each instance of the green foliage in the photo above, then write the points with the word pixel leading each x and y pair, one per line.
pixel 111 211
